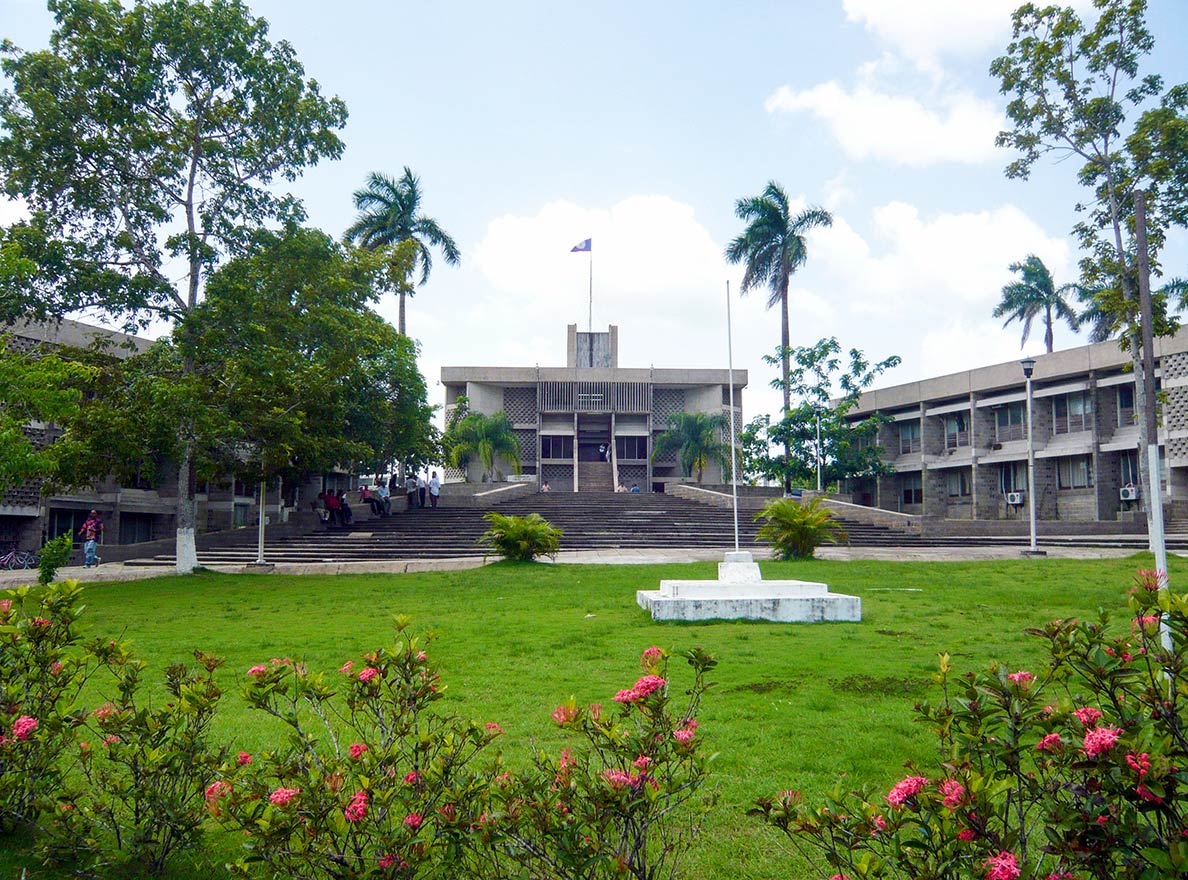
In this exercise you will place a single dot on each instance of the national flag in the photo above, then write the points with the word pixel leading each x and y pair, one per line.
pixel 582 248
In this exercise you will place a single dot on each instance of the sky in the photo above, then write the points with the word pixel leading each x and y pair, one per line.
pixel 534 126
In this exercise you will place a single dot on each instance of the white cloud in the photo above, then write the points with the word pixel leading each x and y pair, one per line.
pixel 12 210
pixel 869 124
pixel 924 30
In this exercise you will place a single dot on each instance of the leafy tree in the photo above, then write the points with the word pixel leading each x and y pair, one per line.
pixel 1108 313
pixel 773 246
pixel 484 439
pixel 696 438
pixel 148 142
pixel 1034 295
pixel 796 530
pixel 1071 86
pixel 390 215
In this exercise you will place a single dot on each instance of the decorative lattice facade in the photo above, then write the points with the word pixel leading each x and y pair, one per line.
pixel 666 402
pixel 520 405
pixel 527 440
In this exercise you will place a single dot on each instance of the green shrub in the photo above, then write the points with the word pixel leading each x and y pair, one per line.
pixel 796 530
pixel 521 538
pixel 53 556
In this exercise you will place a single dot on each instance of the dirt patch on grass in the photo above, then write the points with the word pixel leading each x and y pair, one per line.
pixel 889 687
pixel 766 687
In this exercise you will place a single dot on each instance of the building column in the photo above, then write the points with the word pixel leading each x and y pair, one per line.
pixel 575 453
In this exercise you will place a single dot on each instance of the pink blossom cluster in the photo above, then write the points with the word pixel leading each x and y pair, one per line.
pixel 256 671
pixel 1100 740
pixel 1150 581
pixel 104 712
pixel 243 759
pixel 356 810
pixel 493 729
pixel 367 674
pixel 965 834
pixel 1050 743
pixel 564 714
pixel 619 779
pixel 1146 623
pixel 1087 715
pixel 347 668
pixel 649 684
pixel 953 792
pixel 413 821
pixel 56 668
pixel 1140 764
pixel 642 762
pixel 282 796
pixel 1021 678
pixel 387 860
pixel 1003 866
pixel 564 764
pixel 412 777
pixel 39 622
pixel 684 735
pixel 840 877
pixel 214 791
pixel 651 658
pixel 23 726
pixel 904 789
pixel 5 606
pixel 357 750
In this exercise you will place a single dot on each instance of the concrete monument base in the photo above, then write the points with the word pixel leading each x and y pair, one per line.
pixel 740 593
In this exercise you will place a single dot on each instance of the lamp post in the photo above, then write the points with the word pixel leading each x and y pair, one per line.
pixel 1028 365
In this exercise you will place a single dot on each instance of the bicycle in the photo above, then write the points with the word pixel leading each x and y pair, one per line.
pixel 15 560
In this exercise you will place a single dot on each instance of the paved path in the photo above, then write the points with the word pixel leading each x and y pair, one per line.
pixel 115 571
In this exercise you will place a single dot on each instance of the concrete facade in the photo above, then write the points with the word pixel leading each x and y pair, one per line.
pixel 958 443
pixel 562 415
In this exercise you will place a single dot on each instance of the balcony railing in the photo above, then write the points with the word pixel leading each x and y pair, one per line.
pixel 956 439
pixel 1006 433
pixel 1070 424
pixel 908 445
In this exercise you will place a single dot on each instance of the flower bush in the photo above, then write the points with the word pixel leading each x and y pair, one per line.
pixel 627 802
pixel 1075 771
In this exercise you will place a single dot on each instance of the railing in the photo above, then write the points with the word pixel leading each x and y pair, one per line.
pixel 908 445
pixel 956 438
pixel 594 397
pixel 1010 432
pixel 1125 416
pixel 1070 424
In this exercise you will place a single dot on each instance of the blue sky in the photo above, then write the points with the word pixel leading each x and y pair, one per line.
pixel 536 125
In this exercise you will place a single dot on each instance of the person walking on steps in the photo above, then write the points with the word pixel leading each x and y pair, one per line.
pixel 410 489
pixel 91 531
pixel 421 490
pixel 434 489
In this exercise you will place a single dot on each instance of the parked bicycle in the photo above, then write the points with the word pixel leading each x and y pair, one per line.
pixel 15 560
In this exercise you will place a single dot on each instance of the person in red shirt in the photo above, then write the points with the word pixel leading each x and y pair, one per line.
pixel 91 530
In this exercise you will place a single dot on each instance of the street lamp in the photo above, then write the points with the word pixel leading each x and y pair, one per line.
pixel 1028 365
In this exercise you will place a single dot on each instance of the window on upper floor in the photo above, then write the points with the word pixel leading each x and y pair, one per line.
pixel 631 448
pixel 957 483
pixel 956 430
pixel 1074 472
pixel 909 437
pixel 1072 413
pixel 1125 405
pixel 1010 422
pixel 912 488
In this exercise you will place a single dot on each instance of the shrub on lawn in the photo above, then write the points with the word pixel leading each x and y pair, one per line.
pixel 796 530
pixel 41 673
pixel 1077 770
pixel 53 556
pixel 521 538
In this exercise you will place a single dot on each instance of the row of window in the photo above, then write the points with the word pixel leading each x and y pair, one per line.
pixel 1070 413
pixel 1072 472
pixel 560 446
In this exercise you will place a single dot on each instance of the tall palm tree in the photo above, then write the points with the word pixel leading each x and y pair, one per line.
pixel 485 439
pixel 1036 294
pixel 390 213
pixel 1109 312
pixel 773 247
pixel 696 439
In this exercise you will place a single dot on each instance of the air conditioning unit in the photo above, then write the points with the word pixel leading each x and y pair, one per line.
pixel 1129 493
pixel 1015 499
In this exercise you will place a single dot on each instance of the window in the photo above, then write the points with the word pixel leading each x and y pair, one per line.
pixel 913 489
pixel 1012 477
pixel 632 448
pixel 554 446
pixel 956 430
pixel 1010 422
pixel 1128 468
pixel 909 437
pixel 135 528
pixel 1125 405
pixel 1074 472
pixel 957 483
pixel 1071 413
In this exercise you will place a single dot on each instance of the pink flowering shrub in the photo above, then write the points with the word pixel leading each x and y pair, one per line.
pixel 625 802
pixel 42 671
pixel 1071 773
pixel 373 780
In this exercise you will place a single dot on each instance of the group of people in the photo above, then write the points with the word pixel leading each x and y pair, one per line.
pixel 334 510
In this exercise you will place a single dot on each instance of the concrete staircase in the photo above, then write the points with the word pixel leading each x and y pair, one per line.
pixel 595 476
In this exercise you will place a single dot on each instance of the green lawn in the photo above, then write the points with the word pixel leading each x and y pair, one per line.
pixel 795 706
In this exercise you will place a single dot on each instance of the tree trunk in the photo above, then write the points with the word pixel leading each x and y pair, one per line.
pixel 785 349
pixel 187 513
pixel 400 321
pixel 1048 337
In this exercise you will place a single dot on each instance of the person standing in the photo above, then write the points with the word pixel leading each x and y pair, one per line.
pixel 91 531
pixel 410 489
pixel 421 490
pixel 434 489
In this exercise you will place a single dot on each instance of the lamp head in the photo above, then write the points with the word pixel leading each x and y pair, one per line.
pixel 1028 365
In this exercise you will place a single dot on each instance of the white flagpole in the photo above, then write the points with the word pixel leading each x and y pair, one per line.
pixel 733 454
pixel 590 318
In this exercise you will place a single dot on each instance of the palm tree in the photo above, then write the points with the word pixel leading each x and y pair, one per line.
pixel 1109 312
pixel 773 247
pixel 1036 294
pixel 695 438
pixel 390 214
pixel 483 438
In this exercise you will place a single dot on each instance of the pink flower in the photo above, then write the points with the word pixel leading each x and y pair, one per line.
pixel 56 668
pixel 1147 623
pixel 282 796
pixel 840 877
pixel 596 712
pixel 1021 678
pixel 564 714
pixel 422 656
pixel 880 823
pixel 493 729
pixel 104 712
pixel 39 622
pixel 651 658
pixel 412 777
pixel 1088 716
pixel 1150 581
pixel 23 726
pixel 684 735
pixel 368 674
pixel 642 762
pixel 618 779
pixel 387 860
pixel 904 789
pixel 5 606
pixel 356 810
pixel 965 834
pixel 1100 740
pixel 626 696
pixel 954 793
pixel 1050 743
pixel 347 668
pixel 257 670
pixel 110 740
pixel 244 759
pixel 649 684
pixel 1002 867
pixel 413 821
pixel 1140 764
pixel 357 750
pixel 1146 794
pixel 214 791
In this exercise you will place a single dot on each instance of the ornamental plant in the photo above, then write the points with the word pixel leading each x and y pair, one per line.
pixel 796 530
pixel 373 780
pixel 625 801
pixel 1077 770
pixel 521 538
pixel 42 670
pixel 139 771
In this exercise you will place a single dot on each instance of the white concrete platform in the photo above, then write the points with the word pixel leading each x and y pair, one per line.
pixel 740 593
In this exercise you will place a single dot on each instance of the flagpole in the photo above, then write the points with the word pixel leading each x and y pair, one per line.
pixel 733 454
pixel 590 318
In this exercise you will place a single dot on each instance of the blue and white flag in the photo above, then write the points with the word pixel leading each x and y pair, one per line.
pixel 582 248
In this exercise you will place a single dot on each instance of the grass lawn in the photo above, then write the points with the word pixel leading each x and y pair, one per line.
pixel 795 706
